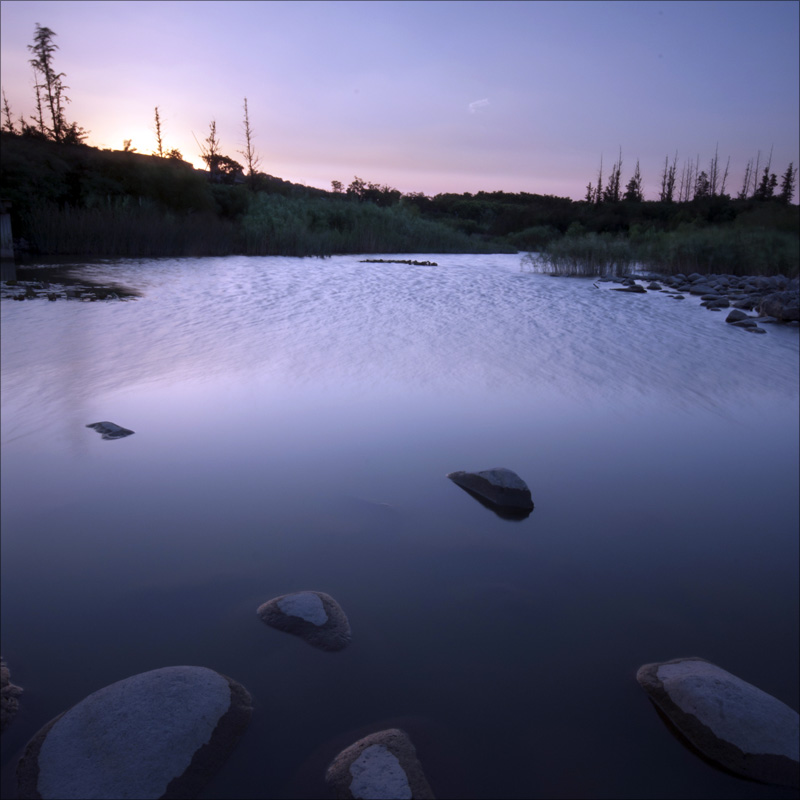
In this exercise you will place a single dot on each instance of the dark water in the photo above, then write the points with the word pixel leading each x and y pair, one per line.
pixel 295 420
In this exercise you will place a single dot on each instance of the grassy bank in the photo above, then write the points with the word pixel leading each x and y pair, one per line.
pixel 733 250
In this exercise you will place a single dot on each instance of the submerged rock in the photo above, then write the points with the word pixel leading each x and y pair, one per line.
pixel 499 489
pixel 383 765
pixel 314 616
pixel 9 694
pixel 157 734
pixel 730 721
pixel 633 288
pixel 110 430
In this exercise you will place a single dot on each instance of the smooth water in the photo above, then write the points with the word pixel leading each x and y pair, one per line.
pixel 295 420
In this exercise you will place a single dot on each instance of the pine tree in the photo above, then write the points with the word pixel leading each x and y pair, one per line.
pixel 633 191
pixel 788 184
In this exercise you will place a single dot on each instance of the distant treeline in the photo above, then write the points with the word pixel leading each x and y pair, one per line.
pixel 72 199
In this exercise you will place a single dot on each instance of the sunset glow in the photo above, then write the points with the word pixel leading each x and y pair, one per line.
pixel 429 96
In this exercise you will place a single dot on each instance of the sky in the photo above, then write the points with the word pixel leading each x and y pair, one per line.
pixel 430 97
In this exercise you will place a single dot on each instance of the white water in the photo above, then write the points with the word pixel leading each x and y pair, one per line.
pixel 295 419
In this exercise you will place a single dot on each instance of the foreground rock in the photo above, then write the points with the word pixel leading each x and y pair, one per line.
pixel 110 430
pixel 157 734
pixel 381 765
pixel 499 489
pixel 314 616
pixel 9 694
pixel 731 722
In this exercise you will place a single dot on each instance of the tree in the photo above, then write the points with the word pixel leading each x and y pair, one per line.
pixel 788 184
pixel 633 191
pixel 210 149
pixel 160 151
pixel 611 193
pixel 766 188
pixel 251 160
pixel 8 120
pixel 174 154
pixel 336 187
pixel 51 89
pixel 702 185
pixel 126 146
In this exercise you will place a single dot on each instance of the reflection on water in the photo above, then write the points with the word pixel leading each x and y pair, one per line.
pixel 295 420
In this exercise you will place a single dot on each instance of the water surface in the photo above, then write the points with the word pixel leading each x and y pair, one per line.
pixel 295 420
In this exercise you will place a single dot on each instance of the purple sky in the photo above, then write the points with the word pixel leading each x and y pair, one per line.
pixel 430 96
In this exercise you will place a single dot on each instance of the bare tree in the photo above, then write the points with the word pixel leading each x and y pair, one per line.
pixel 713 172
pixel 746 182
pixel 8 120
pixel 725 177
pixel 210 148
pixel 159 141
pixel 251 160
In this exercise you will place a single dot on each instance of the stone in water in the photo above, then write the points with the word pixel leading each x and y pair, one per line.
pixel 313 616
pixel 732 722
pixel 110 430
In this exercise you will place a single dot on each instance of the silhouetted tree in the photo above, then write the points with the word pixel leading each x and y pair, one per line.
pixel 175 154
pixel 633 191
pixel 210 149
pixel 251 160
pixel 336 187
pixel 702 185
pixel 788 184
pixel 50 89
pixel 126 146
pixel 611 193
pixel 160 151
pixel 8 120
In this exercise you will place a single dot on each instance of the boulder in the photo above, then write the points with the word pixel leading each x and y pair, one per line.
pixel 313 616
pixel 499 488
pixel 735 724
pixel 737 316
pixel 633 288
pixel 9 694
pixel 784 306
pixel 383 764
pixel 110 430
pixel 157 734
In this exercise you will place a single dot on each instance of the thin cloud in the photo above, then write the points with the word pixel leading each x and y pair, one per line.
pixel 478 104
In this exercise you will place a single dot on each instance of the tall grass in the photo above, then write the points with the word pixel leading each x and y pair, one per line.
pixel 731 250
pixel 132 232
pixel 272 225
pixel 277 225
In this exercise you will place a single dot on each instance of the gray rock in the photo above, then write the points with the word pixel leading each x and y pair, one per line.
pixel 9 694
pixel 701 288
pixel 736 316
pixel 500 488
pixel 633 288
pixel 382 765
pixel 157 734
pixel 653 287
pixel 784 306
pixel 314 616
pixel 745 323
pixel 110 430
pixel 730 721
pixel 754 329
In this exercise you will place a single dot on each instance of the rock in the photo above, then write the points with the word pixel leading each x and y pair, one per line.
pixel 156 734
pixel 701 288
pixel 314 616
pixel 383 765
pixel 633 288
pixel 784 306
pixel 9 704
pixel 754 329
pixel 736 316
pixel 110 430
pixel 653 287
pixel 731 722
pixel 499 488
pixel 745 323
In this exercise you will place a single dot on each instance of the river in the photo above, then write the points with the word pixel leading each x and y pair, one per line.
pixel 295 420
